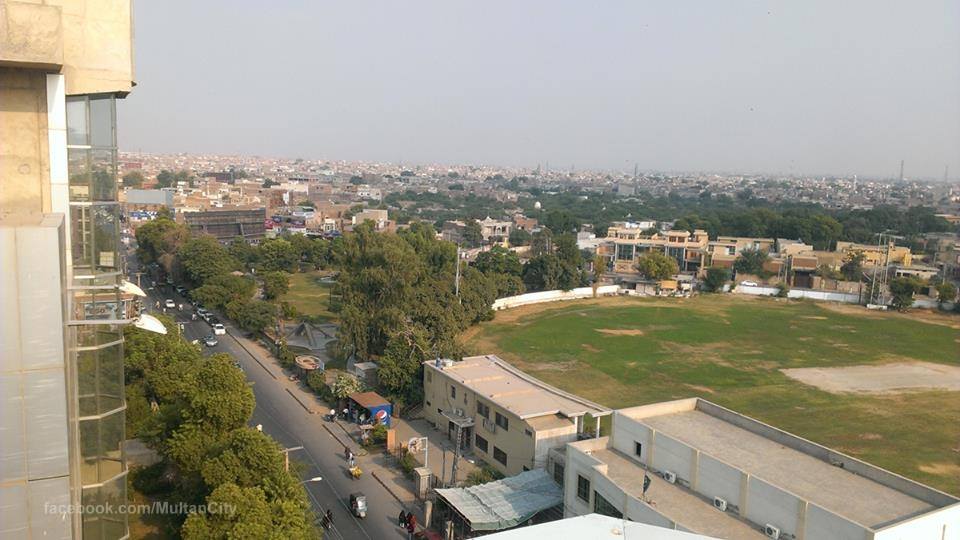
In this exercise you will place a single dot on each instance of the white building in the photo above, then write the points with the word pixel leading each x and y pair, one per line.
pixel 716 472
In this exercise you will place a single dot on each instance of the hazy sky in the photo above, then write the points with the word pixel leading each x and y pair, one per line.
pixel 811 86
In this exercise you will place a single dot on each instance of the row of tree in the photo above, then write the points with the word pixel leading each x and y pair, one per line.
pixel 193 410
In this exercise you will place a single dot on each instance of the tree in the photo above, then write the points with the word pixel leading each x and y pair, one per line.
pixel 507 285
pixel 561 221
pixel 541 243
pixel 243 251
pixel 165 179
pixel 237 512
pixel 519 237
pixel 220 290
pixel 399 370
pixel 133 179
pixel 599 267
pixel 542 273
pixel 498 260
pixel 252 315
pixel 278 255
pixel 750 261
pixel 472 234
pixel 657 266
pixel 903 289
pixel 203 257
pixel 946 292
pixel 275 284
pixel 344 385
pixel 852 267
pixel 715 279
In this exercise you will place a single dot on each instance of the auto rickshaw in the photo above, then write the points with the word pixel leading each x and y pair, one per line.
pixel 358 504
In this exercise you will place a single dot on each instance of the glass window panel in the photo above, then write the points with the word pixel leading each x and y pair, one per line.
pixel 103 168
pixel 89 450
pixel 94 232
pixel 102 122
pixel 78 168
pixel 100 380
pixel 108 499
pixel 111 436
pixel 98 334
pixel 77 121
pixel 96 304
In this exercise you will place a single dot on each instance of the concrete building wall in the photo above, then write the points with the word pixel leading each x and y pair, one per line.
pixel 672 455
pixel 767 503
pixel 549 439
pixel 35 462
pixel 824 524
pixel 24 152
pixel 579 463
pixel 717 479
pixel 626 433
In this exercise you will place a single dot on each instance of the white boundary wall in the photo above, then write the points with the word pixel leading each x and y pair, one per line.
pixel 553 296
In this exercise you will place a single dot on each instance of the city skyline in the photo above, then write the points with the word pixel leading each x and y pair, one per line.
pixel 793 89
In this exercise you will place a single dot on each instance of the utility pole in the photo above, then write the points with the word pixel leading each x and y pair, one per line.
pixel 457 278
pixel 286 456
pixel 456 456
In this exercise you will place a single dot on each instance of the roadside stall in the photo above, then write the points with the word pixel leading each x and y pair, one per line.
pixel 369 407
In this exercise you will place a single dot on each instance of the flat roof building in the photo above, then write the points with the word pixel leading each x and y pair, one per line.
pixel 716 472
pixel 508 418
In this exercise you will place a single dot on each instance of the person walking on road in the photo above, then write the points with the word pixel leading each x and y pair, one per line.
pixel 411 525
pixel 402 519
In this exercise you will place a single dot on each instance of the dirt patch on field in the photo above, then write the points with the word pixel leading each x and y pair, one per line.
pixel 920 315
pixel 941 469
pixel 699 388
pixel 892 378
pixel 621 331
pixel 814 317
pixel 589 348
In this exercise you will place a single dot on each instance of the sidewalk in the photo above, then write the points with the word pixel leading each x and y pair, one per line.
pixel 441 450
pixel 377 464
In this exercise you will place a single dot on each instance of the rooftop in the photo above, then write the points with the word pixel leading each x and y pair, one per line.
pixel 869 496
pixel 511 389
pixel 674 502
pixel 595 527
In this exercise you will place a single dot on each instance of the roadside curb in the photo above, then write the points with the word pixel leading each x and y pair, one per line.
pixel 302 404
pixel 390 490
pixel 255 359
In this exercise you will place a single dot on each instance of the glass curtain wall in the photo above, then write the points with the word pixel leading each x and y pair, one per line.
pixel 97 345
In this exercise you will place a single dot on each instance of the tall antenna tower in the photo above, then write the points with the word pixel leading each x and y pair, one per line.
pixel 901 170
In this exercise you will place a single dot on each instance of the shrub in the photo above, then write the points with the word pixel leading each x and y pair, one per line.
pixel 378 435
pixel 407 463
pixel 483 474
pixel 317 382
pixel 783 290
pixel 150 480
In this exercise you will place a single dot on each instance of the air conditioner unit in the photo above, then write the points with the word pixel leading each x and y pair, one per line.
pixel 670 477
pixel 720 504
pixel 771 531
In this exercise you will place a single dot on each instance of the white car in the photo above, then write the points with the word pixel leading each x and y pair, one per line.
pixel 749 283
pixel 218 329
pixel 170 303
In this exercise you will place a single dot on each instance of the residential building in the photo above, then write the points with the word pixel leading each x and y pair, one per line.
pixel 874 255
pixel 723 251
pixel 506 417
pixel 625 243
pixel 379 218
pixel 494 229
pixel 62 66
pixel 695 466
pixel 226 225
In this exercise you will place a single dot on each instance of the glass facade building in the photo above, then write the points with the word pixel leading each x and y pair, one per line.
pixel 95 309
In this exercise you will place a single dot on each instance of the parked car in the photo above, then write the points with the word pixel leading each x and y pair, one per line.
pixel 181 291
pixel 170 303
pixel 203 313
pixel 749 283
pixel 218 329
pixel 210 341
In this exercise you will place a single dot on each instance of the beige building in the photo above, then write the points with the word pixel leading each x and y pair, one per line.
pixel 625 243
pixel 62 66
pixel 694 466
pixel 503 416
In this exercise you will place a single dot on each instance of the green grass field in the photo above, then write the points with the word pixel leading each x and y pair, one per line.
pixel 623 352
pixel 310 295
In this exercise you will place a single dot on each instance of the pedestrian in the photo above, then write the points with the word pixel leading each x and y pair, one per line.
pixel 345 413
pixel 411 524
pixel 352 461
pixel 330 517
pixel 402 519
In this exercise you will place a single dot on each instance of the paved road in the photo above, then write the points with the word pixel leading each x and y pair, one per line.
pixel 285 420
